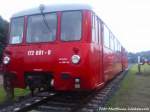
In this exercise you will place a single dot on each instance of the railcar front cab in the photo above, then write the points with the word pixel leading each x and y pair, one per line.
pixel 39 29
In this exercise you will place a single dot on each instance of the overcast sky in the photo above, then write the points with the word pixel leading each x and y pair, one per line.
pixel 129 20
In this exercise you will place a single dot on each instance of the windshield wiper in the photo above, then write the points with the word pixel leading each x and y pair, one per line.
pixel 44 18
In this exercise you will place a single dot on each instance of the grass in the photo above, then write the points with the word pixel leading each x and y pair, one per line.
pixel 2 94
pixel 21 92
pixel 18 92
pixel 124 89
pixel 134 89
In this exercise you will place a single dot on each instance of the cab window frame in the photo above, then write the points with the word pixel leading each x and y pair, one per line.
pixel 43 41
pixel 10 29
pixel 81 36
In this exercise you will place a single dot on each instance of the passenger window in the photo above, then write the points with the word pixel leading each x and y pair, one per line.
pixel 116 45
pixel 96 29
pixel 93 29
pixel 111 41
pixel 16 33
pixel 119 47
pixel 99 28
pixel 106 36
pixel 71 25
pixel 114 42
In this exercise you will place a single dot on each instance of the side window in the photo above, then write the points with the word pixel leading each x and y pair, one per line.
pixel 116 45
pixel 71 25
pixel 106 36
pixel 114 42
pixel 111 41
pixel 94 29
pixel 119 47
pixel 99 28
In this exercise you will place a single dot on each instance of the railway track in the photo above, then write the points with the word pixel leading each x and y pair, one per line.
pixel 61 102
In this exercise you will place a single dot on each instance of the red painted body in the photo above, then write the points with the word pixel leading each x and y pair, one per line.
pixel 98 63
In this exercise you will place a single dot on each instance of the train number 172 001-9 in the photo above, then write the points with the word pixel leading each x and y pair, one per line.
pixel 38 52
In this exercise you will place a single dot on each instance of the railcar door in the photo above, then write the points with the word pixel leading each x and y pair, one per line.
pixel 101 77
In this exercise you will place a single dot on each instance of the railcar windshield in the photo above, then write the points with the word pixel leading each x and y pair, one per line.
pixel 16 31
pixel 39 31
pixel 71 25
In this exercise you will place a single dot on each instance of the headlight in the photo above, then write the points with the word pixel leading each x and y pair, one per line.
pixel 6 60
pixel 75 59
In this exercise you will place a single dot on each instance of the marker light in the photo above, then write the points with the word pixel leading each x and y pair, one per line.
pixel 6 60
pixel 77 80
pixel 75 59
pixel 77 83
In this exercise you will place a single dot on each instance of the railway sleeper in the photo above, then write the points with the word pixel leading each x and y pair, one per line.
pixel 63 104
pixel 87 110
pixel 54 108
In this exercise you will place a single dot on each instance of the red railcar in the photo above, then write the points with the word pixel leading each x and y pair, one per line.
pixel 64 47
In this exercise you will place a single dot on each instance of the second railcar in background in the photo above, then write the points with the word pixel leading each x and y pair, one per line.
pixel 61 47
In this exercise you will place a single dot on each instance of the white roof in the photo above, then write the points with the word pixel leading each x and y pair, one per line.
pixel 53 8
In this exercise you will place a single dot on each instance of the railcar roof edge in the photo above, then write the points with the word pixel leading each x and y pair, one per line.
pixel 53 8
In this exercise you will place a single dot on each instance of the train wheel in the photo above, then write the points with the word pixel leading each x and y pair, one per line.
pixel 8 86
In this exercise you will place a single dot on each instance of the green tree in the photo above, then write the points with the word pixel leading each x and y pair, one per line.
pixel 4 26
